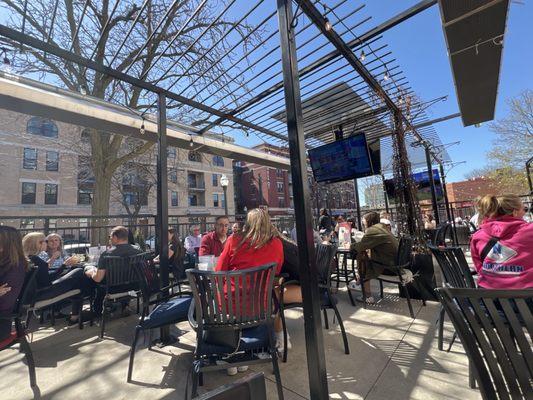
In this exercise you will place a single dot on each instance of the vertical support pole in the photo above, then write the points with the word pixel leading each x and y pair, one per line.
pixel 528 173
pixel 46 227
pixel 432 185
pixel 162 199
pixel 225 189
pixel 357 205
pixel 445 192
pixel 314 341
pixel 260 183
pixel 385 194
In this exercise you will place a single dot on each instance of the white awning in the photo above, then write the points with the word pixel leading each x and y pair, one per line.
pixel 35 98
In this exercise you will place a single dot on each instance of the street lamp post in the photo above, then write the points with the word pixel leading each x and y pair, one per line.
pixel 224 182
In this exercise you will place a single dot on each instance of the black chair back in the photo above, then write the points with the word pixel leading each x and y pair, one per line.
pixel 27 294
pixel 122 271
pixel 237 299
pixel 325 254
pixel 443 230
pixel 248 388
pixel 454 267
pixel 496 329
pixel 405 251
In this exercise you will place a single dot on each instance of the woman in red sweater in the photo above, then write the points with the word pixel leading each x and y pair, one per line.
pixel 258 244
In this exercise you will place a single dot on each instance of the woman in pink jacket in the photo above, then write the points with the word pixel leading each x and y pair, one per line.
pixel 502 248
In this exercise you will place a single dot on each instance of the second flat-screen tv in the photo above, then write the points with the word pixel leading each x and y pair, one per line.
pixel 342 160
pixel 423 186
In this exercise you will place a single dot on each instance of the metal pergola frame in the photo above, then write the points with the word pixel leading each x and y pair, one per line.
pixel 343 50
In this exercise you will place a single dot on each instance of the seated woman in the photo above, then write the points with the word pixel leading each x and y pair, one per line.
pixel 258 244
pixel 33 244
pixel 383 248
pixel 176 252
pixel 13 267
pixel 55 256
pixel 502 248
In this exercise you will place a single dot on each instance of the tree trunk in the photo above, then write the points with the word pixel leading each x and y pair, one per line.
pixel 101 196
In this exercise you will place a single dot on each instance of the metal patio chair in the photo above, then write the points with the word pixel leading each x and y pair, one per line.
pixel 325 254
pixel 233 320
pixel 496 329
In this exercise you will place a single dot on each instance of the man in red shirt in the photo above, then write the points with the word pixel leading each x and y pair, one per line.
pixel 213 242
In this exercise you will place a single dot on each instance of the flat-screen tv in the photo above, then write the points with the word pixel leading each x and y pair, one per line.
pixel 423 186
pixel 341 160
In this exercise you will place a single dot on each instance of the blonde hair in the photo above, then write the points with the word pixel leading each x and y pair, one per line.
pixel 30 243
pixel 258 229
pixel 497 206
pixel 52 235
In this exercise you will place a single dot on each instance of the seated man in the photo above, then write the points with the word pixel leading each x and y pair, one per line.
pixel 121 248
pixel 214 241
pixel 383 248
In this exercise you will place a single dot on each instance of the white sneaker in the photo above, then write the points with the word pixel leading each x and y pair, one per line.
pixel 242 368
pixel 231 370
pixel 280 343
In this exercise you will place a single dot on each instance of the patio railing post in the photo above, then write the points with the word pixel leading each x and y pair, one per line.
pixel 162 200
pixel 357 204
pixel 314 341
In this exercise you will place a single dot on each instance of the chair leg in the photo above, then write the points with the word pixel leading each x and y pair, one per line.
pixel 138 301
pixel 380 288
pixel 325 318
pixel 441 327
pixel 283 324
pixel 26 349
pixel 341 324
pixel 338 272
pixel 452 341
pixel 275 366
pixel 363 292
pixel 408 298
pixel 471 377
pixel 53 315
pixel 102 319
pixel 80 319
pixel 195 378
pixel 201 378
pixel 132 352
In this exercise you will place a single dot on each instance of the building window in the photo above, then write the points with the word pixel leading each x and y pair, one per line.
pixel 129 198
pixel 193 200
pixel 216 202
pixel 42 127
pixel 85 196
pixel 85 136
pixel 30 158
pixel 52 161
pixel 218 161
pixel 28 192
pixel 279 173
pixel 195 156
pixel 171 152
pixel 173 175
pixel 280 187
pixel 50 193
pixel 281 202
pixel 26 223
pixel 174 199
pixel 215 179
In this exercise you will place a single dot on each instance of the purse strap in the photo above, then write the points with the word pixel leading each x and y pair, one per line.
pixel 490 244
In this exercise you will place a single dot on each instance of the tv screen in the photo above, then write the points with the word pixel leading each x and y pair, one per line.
pixel 341 160
pixel 421 181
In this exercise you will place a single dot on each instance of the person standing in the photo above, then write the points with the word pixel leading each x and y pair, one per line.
pixel 213 242
pixel 325 222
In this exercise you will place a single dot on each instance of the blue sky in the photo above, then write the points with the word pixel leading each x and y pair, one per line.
pixel 419 46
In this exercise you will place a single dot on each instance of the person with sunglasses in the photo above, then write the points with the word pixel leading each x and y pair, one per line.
pixel 214 241
pixel 33 244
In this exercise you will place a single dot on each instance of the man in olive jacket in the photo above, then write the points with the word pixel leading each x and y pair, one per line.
pixel 382 246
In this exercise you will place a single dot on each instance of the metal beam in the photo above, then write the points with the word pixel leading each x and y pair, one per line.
pixel 83 61
pixel 434 203
pixel 314 341
pixel 436 120
pixel 378 30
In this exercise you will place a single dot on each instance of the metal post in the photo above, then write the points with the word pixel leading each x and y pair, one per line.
pixel 225 189
pixel 385 194
pixel 260 183
pixel 357 205
pixel 314 341
pixel 432 185
pixel 162 202
pixel 445 192
pixel 528 172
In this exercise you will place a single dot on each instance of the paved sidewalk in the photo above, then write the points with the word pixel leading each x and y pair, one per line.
pixel 392 357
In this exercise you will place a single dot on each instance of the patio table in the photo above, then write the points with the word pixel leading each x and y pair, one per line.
pixel 342 273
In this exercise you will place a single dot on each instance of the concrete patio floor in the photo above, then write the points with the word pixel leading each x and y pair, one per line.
pixel 391 357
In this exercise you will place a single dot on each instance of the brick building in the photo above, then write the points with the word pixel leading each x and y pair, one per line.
pixel 465 191
pixel 43 173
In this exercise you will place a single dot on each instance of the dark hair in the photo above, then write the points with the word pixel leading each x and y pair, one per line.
pixel 120 232
pixel 371 218
pixel 11 253
pixel 179 249
pixel 221 217
pixel 323 211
